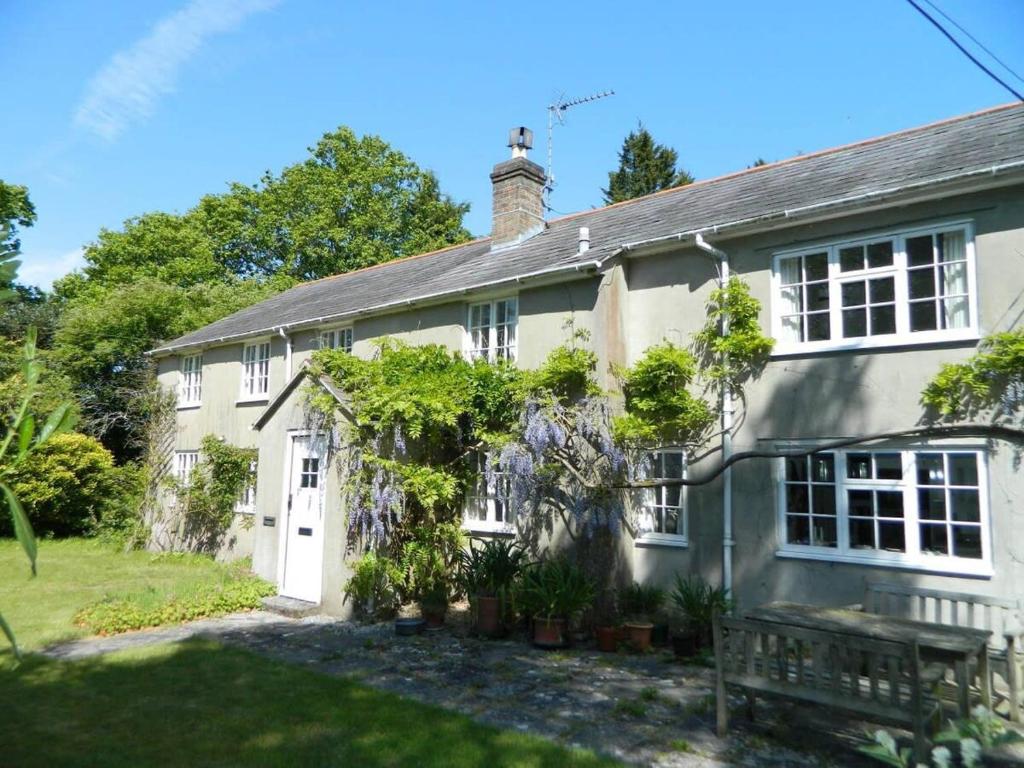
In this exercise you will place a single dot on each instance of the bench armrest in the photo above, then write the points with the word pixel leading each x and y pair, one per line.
pixel 853 607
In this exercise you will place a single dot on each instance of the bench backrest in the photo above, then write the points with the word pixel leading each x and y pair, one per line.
pixel 959 609
pixel 878 677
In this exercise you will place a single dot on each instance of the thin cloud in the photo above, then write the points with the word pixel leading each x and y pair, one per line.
pixel 126 90
pixel 42 270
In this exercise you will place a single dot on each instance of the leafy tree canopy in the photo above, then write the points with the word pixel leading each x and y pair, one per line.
pixel 15 210
pixel 644 167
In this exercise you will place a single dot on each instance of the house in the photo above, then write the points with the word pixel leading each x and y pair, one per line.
pixel 874 263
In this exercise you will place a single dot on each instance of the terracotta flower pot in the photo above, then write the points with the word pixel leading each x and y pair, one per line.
pixel 638 634
pixel 488 616
pixel 433 614
pixel 549 633
pixel 607 639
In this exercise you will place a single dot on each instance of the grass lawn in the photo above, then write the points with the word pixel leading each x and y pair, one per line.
pixel 74 573
pixel 199 703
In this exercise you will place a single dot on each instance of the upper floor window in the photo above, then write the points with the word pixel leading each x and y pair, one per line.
pixel 663 517
pixel 921 508
pixel 190 383
pixel 911 287
pixel 485 507
pixel 255 369
pixel 184 463
pixel 336 338
pixel 492 329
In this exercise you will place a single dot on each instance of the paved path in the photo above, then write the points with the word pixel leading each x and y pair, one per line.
pixel 645 710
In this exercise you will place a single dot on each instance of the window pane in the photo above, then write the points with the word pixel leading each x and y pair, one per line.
pixel 851 258
pixel 883 320
pixel 883 289
pixel 816 266
pixel 796 498
pixel 858 466
pixel 825 532
pixel 952 246
pixel 791 300
pixel 922 316
pixel 855 323
pixel 880 254
pixel 963 469
pixel 818 328
pixel 956 313
pixel 823 468
pixel 789 271
pixel 854 294
pixel 892 537
pixel 890 503
pixel 953 279
pixel 796 469
pixel 921 283
pixel 673 496
pixel 967 541
pixel 929 469
pixel 798 529
pixel 934 540
pixel 824 497
pixel 919 251
pixel 859 503
pixel 931 504
pixel 888 466
pixel 965 506
pixel 793 328
pixel 862 534
pixel 817 297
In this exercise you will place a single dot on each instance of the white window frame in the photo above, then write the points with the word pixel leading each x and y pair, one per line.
pixel 255 384
pixel 184 464
pixel 476 331
pixel 653 500
pixel 913 559
pixel 341 337
pixel 246 504
pixel 903 335
pixel 484 496
pixel 190 381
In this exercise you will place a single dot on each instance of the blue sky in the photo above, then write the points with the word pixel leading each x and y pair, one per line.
pixel 118 108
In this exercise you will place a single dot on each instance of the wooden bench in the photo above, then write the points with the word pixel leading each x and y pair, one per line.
pixel 1002 616
pixel 878 679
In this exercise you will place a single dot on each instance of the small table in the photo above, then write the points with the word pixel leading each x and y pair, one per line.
pixel 958 646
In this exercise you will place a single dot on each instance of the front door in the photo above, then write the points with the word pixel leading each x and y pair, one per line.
pixel 304 539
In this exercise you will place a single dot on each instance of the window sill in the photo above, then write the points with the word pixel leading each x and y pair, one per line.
pixel 658 540
pixel 945 568
pixel 252 400
pixel 888 342
pixel 488 529
pixel 188 406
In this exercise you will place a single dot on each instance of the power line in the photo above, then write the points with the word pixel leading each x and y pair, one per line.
pixel 975 40
pixel 965 52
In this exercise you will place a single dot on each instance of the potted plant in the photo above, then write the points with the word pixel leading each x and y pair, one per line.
pixel 640 603
pixel 550 592
pixel 375 586
pixel 698 602
pixel 429 560
pixel 487 575
pixel 606 623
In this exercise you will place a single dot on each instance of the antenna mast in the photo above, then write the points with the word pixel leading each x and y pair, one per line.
pixel 556 113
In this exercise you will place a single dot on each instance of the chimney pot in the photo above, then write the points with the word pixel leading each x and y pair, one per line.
pixel 584 239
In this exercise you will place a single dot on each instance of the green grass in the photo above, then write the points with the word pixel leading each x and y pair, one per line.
pixel 199 703
pixel 75 573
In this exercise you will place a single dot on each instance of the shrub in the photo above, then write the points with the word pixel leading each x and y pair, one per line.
pixel 375 586
pixel 641 602
pixel 699 601
pixel 555 589
pixel 70 485
pixel 123 614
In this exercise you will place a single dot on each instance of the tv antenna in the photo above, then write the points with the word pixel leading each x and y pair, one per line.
pixel 556 114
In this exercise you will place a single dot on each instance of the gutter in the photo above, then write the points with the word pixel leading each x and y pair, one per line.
pixel 593 264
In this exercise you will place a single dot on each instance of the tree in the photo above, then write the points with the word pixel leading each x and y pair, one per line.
pixel 15 210
pixel 644 167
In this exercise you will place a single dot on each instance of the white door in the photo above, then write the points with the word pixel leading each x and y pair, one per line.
pixel 304 519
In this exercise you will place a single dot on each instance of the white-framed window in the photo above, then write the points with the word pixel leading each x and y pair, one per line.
pixel 485 508
pixel 492 329
pixel 184 463
pixel 908 287
pixel 247 501
pixel 190 382
pixel 663 514
pixel 925 508
pixel 255 370
pixel 336 338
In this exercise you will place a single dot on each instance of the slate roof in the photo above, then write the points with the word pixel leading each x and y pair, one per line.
pixel 978 144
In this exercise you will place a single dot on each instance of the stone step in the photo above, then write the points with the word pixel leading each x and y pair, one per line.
pixel 290 607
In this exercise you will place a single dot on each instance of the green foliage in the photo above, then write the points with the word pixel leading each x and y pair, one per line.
pixel 698 601
pixel 644 167
pixel 430 561
pixel 207 502
pixel 15 210
pixel 71 487
pixel 567 373
pixel 729 359
pixel 641 602
pixel 554 589
pixel 969 735
pixel 375 586
pixel 660 409
pixel 491 569
pixel 116 615
pixel 994 375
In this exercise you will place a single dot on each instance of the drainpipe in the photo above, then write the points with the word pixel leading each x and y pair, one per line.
pixel 727 417
pixel 287 353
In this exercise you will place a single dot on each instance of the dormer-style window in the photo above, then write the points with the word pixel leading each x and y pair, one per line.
pixel 909 287
pixel 255 370
pixel 336 338
pixel 492 329
pixel 190 382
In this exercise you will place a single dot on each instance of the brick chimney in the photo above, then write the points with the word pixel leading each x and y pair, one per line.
pixel 518 183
